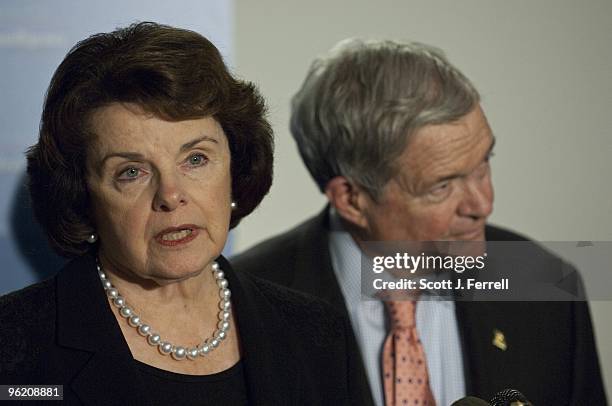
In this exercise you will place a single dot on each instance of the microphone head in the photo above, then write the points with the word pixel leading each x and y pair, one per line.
pixel 510 397
pixel 470 401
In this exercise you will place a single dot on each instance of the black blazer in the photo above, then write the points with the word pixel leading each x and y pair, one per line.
pixel 62 331
pixel 551 355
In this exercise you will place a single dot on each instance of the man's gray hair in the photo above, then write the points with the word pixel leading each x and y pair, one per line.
pixel 360 103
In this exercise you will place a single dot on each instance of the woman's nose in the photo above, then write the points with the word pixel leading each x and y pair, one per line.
pixel 169 194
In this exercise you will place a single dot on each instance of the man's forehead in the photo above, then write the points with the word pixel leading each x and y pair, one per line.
pixel 445 150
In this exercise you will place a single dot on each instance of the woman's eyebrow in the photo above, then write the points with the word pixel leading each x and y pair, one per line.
pixel 195 142
pixel 136 156
pixel 132 156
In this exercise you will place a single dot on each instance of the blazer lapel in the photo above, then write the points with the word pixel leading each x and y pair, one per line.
pixel 314 272
pixel 270 378
pixel 483 327
pixel 105 372
pixel 315 275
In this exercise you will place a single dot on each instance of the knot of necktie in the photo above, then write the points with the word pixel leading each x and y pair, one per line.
pixel 401 314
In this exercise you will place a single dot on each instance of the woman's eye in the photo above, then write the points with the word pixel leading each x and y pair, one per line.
pixel 129 174
pixel 197 160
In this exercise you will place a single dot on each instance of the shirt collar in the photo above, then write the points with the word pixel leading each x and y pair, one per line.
pixel 346 259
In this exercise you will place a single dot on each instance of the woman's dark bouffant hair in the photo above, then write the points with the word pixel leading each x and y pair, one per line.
pixel 172 73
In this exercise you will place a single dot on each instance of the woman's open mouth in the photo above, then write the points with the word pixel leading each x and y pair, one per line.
pixel 173 236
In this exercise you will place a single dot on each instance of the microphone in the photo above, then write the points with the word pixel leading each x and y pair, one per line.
pixel 470 401
pixel 507 397
pixel 510 397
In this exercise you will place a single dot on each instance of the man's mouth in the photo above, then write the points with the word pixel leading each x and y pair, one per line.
pixel 468 235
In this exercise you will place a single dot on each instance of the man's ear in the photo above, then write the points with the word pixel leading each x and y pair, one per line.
pixel 349 200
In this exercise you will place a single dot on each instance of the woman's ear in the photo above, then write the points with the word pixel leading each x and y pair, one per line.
pixel 348 199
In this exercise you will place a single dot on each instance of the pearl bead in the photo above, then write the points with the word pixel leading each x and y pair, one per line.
pixel 165 348
pixel 225 294
pixel 154 339
pixel 225 305
pixel 179 353
pixel 192 353
pixel 125 311
pixel 203 350
pixel 134 320
pixel 144 330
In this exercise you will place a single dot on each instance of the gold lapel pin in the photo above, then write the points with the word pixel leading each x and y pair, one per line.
pixel 499 340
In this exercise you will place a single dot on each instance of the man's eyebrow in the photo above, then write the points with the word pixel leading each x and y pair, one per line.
pixel 458 175
pixel 136 156
pixel 493 141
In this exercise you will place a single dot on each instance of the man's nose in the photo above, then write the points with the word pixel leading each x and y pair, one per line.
pixel 477 199
pixel 169 194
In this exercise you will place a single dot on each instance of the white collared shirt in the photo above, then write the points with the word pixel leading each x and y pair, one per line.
pixel 435 319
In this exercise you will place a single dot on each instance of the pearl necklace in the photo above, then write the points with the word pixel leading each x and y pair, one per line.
pixel 165 347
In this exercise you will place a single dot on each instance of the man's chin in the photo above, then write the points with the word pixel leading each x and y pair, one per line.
pixel 477 235
pixel 469 244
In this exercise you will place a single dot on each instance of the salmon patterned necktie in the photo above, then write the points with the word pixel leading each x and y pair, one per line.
pixel 405 376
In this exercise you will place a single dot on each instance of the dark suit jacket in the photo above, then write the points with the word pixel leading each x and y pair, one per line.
pixel 62 331
pixel 551 356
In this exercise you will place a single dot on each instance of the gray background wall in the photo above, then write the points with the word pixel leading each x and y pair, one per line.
pixel 544 69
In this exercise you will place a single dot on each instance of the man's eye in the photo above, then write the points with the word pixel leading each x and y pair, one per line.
pixel 440 189
pixel 482 170
pixel 439 192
